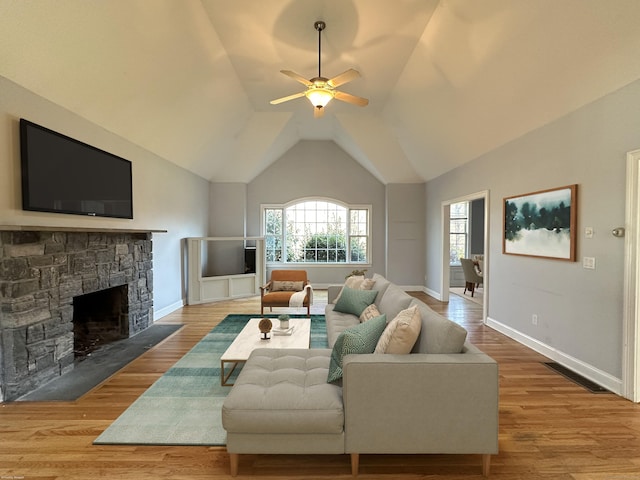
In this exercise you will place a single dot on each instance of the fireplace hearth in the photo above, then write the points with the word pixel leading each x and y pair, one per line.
pixel 48 279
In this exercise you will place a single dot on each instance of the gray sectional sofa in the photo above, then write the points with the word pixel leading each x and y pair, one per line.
pixel 442 398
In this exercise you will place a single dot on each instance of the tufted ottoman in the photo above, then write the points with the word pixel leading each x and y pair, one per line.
pixel 282 403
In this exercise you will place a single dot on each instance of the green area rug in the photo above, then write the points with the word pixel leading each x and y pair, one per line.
pixel 183 407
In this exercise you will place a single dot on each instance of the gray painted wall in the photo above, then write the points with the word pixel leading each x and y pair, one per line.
pixel 579 311
pixel 321 169
pixel 227 210
pixel 227 213
pixel 405 233
pixel 166 197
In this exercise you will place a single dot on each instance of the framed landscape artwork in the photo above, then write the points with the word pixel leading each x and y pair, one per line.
pixel 542 224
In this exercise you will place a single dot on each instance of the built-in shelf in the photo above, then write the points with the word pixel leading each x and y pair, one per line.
pixel 201 289
pixel 48 228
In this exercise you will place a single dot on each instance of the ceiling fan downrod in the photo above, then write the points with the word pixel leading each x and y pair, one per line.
pixel 319 26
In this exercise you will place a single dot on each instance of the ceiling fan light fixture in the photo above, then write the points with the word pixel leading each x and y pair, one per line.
pixel 321 90
pixel 319 97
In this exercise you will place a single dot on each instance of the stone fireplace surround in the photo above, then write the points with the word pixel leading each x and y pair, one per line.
pixel 41 271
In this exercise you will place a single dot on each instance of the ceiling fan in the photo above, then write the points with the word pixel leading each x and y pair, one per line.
pixel 321 90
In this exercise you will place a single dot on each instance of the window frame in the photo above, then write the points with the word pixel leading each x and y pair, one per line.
pixel 464 234
pixel 349 235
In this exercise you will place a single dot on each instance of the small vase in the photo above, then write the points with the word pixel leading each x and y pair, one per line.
pixel 284 324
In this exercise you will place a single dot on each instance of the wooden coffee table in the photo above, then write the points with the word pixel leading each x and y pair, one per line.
pixel 250 338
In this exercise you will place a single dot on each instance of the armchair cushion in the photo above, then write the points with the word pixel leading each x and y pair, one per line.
pixel 289 275
pixel 286 286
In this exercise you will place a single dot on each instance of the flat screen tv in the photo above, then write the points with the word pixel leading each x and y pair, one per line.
pixel 63 175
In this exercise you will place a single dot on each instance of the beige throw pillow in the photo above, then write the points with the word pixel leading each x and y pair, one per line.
pixel 286 286
pixel 401 333
pixel 370 312
pixel 367 284
pixel 357 282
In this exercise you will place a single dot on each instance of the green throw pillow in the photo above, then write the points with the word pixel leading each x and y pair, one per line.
pixel 361 338
pixel 354 301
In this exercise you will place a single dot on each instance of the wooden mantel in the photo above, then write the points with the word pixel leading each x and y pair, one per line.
pixel 49 228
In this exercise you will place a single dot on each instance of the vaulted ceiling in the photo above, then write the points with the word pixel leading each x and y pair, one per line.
pixel 447 80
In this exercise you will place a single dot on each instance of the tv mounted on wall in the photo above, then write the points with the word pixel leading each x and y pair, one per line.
pixel 63 175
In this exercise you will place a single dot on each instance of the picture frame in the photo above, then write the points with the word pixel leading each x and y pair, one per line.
pixel 541 224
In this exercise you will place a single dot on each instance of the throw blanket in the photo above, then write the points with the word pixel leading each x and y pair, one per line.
pixel 297 299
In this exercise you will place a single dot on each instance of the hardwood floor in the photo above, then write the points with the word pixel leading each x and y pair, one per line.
pixel 550 428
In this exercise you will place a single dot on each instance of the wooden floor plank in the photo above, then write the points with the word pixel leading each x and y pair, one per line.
pixel 550 428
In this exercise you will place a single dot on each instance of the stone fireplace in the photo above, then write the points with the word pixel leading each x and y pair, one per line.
pixel 52 283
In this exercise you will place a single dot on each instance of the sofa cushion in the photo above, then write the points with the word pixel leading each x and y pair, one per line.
pixel 286 286
pixel 394 301
pixel 370 312
pixel 401 334
pixel 438 334
pixel 362 338
pixel 284 391
pixel 354 301
pixel 380 285
pixel 337 323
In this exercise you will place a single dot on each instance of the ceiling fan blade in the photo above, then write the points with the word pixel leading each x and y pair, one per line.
pixel 347 97
pixel 296 77
pixel 343 78
pixel 286 99
pixel 318 112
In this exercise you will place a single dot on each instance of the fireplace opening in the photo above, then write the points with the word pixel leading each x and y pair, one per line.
pixel 99 318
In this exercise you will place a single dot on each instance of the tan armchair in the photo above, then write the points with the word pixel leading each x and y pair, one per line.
pixel 277 292
pixel 471 277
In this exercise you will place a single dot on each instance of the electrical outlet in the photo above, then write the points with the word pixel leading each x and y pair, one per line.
pixel 589 262
pixel 534 319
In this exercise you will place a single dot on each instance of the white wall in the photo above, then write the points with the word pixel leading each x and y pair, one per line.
pixel 579 311
pixel 166 197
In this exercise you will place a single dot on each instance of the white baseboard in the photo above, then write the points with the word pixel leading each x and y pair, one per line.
pixel 412 288
pixel 432 293
pixel 590 372
pixel 163 312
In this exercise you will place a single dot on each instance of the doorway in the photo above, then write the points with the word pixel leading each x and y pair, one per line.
pixel 446 246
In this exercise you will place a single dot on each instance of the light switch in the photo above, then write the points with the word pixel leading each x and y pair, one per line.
pixel 588 232
pixel 589 262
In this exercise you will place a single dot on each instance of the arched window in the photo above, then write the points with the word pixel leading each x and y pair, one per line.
pixel 316 231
